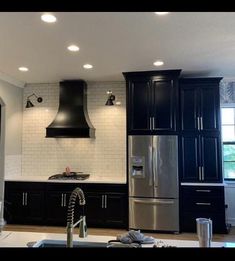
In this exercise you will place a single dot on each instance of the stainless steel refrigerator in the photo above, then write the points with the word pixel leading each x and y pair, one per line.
pixel 153 182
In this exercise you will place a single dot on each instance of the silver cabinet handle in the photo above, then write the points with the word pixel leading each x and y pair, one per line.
pixel 199 170
pixel 201 127
pixel 62 200
pixel 105 206
pixel 26 198
pixel 102 203
pixel 153 123
pixel 150 123
pixel 202 170
pixel 203 204
pixel 203 190
pixel 198 123
pixel 23 199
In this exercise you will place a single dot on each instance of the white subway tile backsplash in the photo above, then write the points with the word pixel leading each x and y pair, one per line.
pixel 13 165
pixel 103 156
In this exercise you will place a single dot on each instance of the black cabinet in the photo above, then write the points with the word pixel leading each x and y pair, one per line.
pixel 106 210
pixel 106 206
pixel 200 104
pixel 200 133
pixel 57 199
pixel 47 203
pixel 202 202
pixel 56 207
pixel 152 101
pixel 201 159
pixel 24 203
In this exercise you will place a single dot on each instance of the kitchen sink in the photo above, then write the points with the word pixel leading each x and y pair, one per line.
pixel 49 243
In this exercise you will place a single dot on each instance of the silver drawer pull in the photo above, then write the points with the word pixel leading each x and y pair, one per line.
pixel 203 190
pixel 203 204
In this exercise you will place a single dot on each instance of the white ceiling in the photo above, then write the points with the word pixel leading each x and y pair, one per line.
pixel 201 44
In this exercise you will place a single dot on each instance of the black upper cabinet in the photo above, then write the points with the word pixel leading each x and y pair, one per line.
pixel 201 158
pixel 152 101
pixel 200 104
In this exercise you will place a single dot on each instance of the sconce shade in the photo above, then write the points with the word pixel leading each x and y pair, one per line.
pixel 110 100
pixel 29 104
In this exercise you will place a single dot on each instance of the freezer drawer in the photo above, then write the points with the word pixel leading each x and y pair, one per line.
pixel 154 214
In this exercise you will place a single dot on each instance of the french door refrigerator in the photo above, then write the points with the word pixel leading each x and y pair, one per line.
pixel 153 182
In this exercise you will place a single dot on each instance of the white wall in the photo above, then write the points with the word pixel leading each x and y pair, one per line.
pixel 227 98
pixel 103 156
pixel 11 96
pixel 229 200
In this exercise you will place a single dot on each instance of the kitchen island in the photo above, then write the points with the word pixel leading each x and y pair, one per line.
pixel 22 239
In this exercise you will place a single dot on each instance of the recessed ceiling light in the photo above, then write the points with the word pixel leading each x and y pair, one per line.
pixel 161 13
pixel 73 48
pixel 87 66
pixel 23 69
pixel 48 18
pixel 158 63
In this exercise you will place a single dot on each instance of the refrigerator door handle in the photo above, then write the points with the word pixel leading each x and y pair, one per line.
pixel 155 176
pixel 155 202
pixel 150 166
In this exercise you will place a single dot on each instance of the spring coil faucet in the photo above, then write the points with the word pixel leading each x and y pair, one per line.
pixel 76 193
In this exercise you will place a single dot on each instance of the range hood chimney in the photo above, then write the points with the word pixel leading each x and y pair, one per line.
pixel 72 120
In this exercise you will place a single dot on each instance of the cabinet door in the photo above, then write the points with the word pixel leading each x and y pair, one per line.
pixel 190 158
pixel 16 210
pixel 56 210
pixel 189 110
pixel 138 109
pixel 211 158
pixel 94 209
pixel 209 108
pixel 34 201
pixel 163 105
pixel 116 210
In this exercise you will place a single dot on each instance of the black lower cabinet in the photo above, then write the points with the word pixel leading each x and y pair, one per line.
pixel 202 202
pixel 47 203
pixel 106 210
pixel 57 200
pixel 24 203
pixel 106 205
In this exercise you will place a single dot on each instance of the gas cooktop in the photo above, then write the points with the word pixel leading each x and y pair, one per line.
pixel 72 175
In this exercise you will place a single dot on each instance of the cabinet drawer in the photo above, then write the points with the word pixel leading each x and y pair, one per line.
pixel 205 192
pixel 203 204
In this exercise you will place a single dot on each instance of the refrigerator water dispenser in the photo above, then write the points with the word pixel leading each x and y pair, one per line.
pixel 137 167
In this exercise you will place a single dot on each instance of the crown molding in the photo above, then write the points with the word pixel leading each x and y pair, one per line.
pixel 11 80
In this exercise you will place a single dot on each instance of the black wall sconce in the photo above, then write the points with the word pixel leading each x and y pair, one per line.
pixel 111 98
pixel 29 104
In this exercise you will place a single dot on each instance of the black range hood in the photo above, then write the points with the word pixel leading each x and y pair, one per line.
pixel 71 120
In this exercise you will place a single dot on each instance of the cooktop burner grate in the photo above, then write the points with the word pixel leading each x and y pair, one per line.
pixel 71 176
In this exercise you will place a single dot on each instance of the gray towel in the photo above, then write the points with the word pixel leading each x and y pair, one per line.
pixel 135 236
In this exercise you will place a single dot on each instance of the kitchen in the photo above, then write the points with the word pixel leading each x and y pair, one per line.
pixel 29 156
